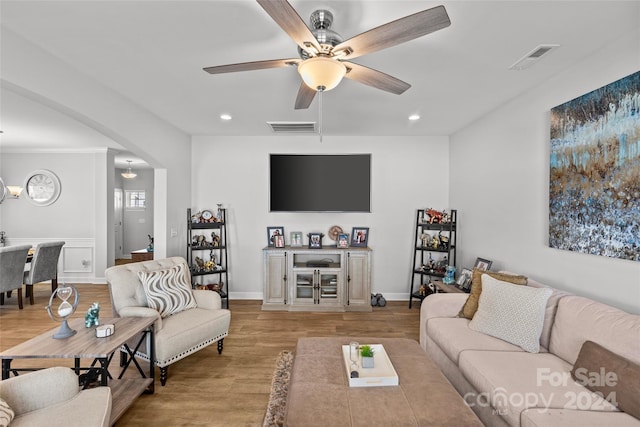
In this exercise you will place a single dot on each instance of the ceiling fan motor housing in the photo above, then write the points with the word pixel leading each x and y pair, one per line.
pixel 320 21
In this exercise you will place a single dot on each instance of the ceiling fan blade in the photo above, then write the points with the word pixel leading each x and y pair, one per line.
pixel 375 78
pixel 248 66
pixel 395 32
pixel 305 96
pixel 286 16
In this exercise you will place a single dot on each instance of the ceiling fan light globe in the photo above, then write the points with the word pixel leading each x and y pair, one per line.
pixel 322 72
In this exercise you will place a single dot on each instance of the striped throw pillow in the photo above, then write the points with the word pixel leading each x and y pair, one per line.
pixel 168 291
pixel 6 413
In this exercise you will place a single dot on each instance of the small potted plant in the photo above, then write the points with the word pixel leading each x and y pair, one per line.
pixel 366 351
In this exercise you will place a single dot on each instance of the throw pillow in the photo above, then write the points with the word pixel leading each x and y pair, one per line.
pixel 168 291
pixel 512 313
pixel 6 413
pixel 616 378
pixel 471 305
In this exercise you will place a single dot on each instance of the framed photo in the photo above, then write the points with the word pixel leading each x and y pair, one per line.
pixel 315 240
pixel 359 236
pixel 343 240
pixel 295 238
pixel 273 233
pixel 482 264
pixel 279 241
pixel 464 280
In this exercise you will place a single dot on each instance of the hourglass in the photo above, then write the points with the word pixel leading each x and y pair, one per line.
pixel 64 310
pixel 354 353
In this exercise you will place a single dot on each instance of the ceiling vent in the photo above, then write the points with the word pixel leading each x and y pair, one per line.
pixel 534 56
pixel 293 127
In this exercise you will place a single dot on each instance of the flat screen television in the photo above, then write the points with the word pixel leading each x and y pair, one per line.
pixel 320 182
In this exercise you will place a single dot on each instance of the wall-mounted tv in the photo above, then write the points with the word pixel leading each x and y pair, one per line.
pixel 320 182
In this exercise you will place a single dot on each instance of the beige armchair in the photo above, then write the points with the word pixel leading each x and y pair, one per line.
pixel 177 335
pixel 52 397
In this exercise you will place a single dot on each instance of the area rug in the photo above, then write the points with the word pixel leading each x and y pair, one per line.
pixel 279 389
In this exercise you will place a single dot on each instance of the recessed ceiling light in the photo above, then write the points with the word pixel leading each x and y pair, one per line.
pixel 225 116
pixel 414 117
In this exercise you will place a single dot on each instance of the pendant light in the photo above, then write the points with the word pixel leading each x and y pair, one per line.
pixel 129 174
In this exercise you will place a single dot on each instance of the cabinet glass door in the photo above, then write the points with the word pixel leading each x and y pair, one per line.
pixel 329 288
pixel 304 287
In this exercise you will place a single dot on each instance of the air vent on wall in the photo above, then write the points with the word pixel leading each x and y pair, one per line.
pixel 532 57
pixel 293 127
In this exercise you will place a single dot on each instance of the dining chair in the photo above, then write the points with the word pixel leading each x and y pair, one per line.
pixel 44 267
pixel 12 261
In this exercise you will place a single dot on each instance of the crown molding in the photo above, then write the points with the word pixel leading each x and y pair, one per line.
pixel 93 150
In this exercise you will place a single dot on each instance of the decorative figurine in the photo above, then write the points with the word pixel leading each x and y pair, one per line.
pixel 426 238
pixel 215 239
pixel 444 241
pixel 199 240
pixel 91 318
pixel 435 242
pixel 449 278
pixel 433 216
pixel 150 246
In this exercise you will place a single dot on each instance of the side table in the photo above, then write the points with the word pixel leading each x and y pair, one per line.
pixel 449 289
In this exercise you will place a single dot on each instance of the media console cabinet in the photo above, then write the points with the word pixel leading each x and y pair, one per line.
pixel 327 279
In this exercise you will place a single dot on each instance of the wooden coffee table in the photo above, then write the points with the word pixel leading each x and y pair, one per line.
pixel 85 345
pixel 319 392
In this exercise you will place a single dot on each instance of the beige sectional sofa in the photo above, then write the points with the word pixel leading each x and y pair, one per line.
pixel 507 386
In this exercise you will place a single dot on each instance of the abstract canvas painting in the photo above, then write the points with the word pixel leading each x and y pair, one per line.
pixel 594 183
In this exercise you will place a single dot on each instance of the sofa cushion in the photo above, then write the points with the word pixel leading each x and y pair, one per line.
pixel 471 305
pixel 208 326
pixel 512 313
pixel 6 413
pixel 167 290
pixel 569 417
pixel 580 319
pixel 512 382
pixel 454 336
pixel 91 407
pixel 609 374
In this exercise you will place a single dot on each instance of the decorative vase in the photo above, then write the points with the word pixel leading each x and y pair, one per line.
pixel 367 362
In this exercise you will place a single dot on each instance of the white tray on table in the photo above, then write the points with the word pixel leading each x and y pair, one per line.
pixel 382 374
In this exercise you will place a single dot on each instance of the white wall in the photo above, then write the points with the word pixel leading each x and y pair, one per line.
pixel 407 173
pixel 164 147
pixel 71 218
pixel 500 185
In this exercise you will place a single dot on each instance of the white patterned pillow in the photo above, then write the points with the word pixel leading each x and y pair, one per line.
pixel 512 313
pixel 6 413
pixel 168 291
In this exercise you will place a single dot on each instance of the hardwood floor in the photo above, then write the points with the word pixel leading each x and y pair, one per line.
pixel 207 389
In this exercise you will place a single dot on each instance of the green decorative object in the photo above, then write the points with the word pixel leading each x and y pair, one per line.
pixel 367 356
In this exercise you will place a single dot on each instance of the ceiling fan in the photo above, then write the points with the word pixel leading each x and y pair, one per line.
pixel 325 58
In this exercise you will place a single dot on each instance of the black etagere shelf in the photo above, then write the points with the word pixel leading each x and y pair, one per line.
pixel 434 253
pixel 198 244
